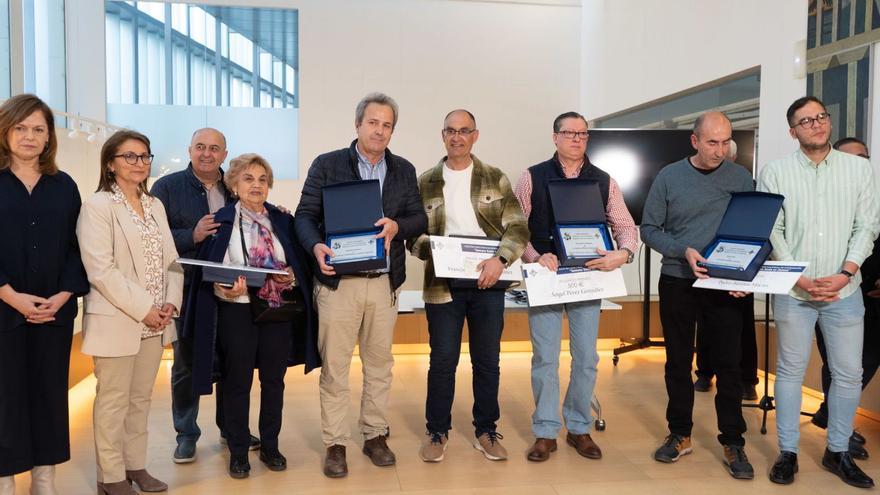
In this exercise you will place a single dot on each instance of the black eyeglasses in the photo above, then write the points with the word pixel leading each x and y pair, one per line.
pixel 573 134
pixel 132 158
pixel 807 122
pixel 463 132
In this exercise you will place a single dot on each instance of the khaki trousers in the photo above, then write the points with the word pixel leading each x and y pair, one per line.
pixel 360 311
pixel 122 406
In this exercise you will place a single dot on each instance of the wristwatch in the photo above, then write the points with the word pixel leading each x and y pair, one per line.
pixel 847 273
pixel 503 260
pixel 631 255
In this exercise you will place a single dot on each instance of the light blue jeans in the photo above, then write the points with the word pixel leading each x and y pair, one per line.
pixel 842 326
pixel 545 326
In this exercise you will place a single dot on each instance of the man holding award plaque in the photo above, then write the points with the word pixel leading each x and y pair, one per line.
pixel 682 212
pixel 463 196
pixel 829 219
pixel 359 308
pixel 569 163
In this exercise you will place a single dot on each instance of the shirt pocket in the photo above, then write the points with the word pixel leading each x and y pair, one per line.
pixel 434 210
pixel 490 201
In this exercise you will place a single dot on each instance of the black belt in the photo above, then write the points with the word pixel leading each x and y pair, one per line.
pixel 366 274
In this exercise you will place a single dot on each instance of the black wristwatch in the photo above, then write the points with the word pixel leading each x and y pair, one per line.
pixel 503 260
pixel 847 273
pixel 631 255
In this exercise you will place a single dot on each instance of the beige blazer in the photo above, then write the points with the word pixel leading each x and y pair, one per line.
pixel 113 255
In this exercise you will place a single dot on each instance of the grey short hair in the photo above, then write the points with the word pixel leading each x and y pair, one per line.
pixel 378 98
pixel 243 162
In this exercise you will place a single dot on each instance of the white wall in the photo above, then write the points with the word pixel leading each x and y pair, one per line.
pixel 515 65
pixel 636 51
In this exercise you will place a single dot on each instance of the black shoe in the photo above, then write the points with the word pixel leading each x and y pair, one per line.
pixel 737 462
pixel 749 392
pixel 857 450
pixel 273 460
pixel 820 417
pixel 239 467
pixel 843 465
pixel 703 384
pixel 784 468
pixel 857 438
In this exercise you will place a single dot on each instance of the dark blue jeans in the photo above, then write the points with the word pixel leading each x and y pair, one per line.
pixel 484 310
pixel 184 403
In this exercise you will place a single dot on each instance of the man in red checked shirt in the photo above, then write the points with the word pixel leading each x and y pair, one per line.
pixel 545 322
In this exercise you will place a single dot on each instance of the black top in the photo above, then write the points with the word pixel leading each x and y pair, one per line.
pixel 401 202
pixel 39 253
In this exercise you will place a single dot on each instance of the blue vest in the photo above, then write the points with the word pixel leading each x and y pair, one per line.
pixel 541 221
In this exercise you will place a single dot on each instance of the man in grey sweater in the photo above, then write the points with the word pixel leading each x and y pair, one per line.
pixel 682 213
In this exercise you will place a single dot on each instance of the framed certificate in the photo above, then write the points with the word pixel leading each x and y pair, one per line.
pixel 348 248
pixel 733 254
pixel 583 241
pixel 578 243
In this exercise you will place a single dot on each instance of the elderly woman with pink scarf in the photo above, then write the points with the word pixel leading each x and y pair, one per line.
pixel 229 338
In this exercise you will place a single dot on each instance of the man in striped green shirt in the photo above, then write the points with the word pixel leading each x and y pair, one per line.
pixel 829 219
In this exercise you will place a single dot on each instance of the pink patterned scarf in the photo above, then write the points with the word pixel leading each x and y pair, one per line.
pixel 262 254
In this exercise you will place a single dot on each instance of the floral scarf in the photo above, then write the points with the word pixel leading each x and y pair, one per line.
pixel 262 254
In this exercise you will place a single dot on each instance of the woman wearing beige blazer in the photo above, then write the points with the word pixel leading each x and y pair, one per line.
pixel 136 289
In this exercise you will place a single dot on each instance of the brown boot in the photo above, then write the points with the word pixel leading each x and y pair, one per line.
pixel 334 463
pixel 378 451
pixel 541 449
pixel 584 445
pixel 118 488
pixel 145 482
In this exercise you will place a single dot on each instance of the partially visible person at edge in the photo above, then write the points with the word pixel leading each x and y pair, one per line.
pixel 41 275
pixel 871 298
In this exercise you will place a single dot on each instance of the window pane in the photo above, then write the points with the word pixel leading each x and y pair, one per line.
pixel 843 16
pixel 44 51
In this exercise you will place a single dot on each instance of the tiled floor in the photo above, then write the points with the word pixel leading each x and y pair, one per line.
pixel 633 400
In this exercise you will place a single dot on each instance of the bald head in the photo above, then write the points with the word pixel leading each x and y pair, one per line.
pixel 711 139
pixel 710 119
pixel 207 151
pixel 208 131
pixel 461 112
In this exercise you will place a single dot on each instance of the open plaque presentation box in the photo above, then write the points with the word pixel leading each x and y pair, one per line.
pixel 742 242
pixel 228 274
pixel 579 214
pixel 351 210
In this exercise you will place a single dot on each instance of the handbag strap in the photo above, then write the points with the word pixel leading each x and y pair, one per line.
pixel 244 250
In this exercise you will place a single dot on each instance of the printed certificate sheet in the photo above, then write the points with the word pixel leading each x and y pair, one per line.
pixel 458 257
pixel 775 277
pixel 570 284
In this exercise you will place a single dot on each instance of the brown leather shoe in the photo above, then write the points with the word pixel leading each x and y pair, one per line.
pixel 117 488
pixel 584 445
pixel 334 462
pixel 378 452
pixel 540 451
pixel 145 482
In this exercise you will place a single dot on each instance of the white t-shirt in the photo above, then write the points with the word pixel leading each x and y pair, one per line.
pixel 460 216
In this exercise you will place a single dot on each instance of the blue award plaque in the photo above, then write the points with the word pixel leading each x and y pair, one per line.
pixel 742 242
pixel 351 210
pixel 579 214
